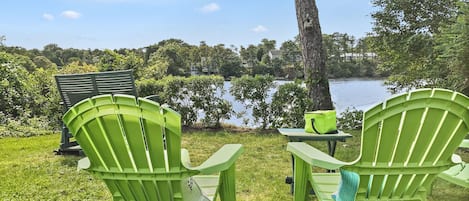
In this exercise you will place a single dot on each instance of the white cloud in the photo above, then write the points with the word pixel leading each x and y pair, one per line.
pixel 48 16
pixel 71 14
pixel 260 29
pixel 211 7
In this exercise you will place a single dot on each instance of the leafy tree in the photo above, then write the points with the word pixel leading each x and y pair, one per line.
pixel 403 38
pixel 291 56
pixel 231 65
pixel 314 56
pixel 78 67
pixel 249 55
pixel 174 53
pixel 54 53
pixel 46 97
pixel 452 46
pixel 44 62
pixel 71 55
pixel 290 52
pixel 24 61
pixel 156 69
pixel 16 95
pixel 111 61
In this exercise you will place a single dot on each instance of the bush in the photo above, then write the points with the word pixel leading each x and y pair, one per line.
pixel 350 119
pixel 190 97
pixel 289 104
pixel 253 92
pixel 24 127
pixel 148 87
pixel 27 99
pixel 15 95
pixel 206 95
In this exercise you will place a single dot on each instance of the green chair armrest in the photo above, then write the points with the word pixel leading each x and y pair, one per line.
pixel 221 160
pixel 314 156
pixel 464 143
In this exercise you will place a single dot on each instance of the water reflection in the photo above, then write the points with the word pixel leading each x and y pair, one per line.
pixel 346 93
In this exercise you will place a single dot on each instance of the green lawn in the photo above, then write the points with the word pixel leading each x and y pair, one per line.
pixel 29 170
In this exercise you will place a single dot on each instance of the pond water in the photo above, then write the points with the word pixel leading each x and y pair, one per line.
pixel 346 93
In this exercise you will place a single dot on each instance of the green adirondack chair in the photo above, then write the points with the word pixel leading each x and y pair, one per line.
pixel 459 173
pixel 406 142
pixel 134 145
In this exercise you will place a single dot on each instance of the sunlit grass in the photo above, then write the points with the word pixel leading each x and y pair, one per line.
pixel 29 170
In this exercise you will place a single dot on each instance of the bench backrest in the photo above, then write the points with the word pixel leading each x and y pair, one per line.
pixel 75 87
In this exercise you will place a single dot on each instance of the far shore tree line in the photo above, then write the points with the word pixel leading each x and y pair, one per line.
pixel 347 57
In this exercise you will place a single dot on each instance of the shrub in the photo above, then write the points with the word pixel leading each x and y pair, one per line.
pixel 350 119
pixel 253 92
pixel 16 93
pixel 205 94
pixel 190 97
pixel 289 104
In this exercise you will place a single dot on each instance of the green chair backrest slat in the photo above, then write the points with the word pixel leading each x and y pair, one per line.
pixel 407 140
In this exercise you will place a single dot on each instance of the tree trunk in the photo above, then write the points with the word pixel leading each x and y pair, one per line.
pixel 314 57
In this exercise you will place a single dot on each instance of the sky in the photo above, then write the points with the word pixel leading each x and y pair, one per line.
pixel 114 24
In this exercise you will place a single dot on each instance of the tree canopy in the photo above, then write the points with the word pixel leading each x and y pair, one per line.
pixel 420 43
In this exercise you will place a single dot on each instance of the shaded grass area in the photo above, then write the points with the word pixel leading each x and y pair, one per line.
pixel 29 170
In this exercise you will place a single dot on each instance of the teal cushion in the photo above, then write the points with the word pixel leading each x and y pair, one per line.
pixel 348 186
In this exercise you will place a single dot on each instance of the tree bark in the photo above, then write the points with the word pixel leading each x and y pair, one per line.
pixel 314 57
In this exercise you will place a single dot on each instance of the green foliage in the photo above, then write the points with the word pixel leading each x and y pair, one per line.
pixel 253 92
pixel 16 95
pixel 24 127
pixel 78 67
pixel 46 97
pixel 350 119
pixel 156 69
pixel 175 54
pixel 452 46
pixel 44 62
pixel 409 37
pixel 289 104
pixel 26 99
pixel 54 53
pixel 112 61
pixel 206 94
pixel 190 96
pixel 148 87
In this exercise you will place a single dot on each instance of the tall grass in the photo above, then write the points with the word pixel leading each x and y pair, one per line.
pixel 29 170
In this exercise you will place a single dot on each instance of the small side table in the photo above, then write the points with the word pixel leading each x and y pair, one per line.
pixel 299 135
